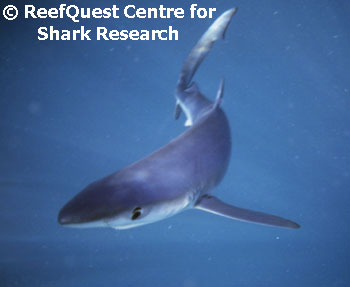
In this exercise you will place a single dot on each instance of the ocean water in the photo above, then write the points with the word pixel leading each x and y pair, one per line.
pixel 72 112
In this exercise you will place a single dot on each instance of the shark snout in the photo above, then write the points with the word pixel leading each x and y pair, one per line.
pixel 93 205
pixel 100 202
pixel 65 218
pixel 74 212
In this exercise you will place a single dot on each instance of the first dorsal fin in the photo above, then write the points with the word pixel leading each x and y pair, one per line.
pixel 216 206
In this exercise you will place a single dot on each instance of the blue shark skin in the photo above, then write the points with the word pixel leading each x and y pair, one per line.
pixel 179 176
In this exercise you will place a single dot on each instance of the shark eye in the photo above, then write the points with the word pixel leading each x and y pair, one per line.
pixel 136 213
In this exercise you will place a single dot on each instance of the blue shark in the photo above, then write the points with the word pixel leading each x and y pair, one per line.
pixel 180 175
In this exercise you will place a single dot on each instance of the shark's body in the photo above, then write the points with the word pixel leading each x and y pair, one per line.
pixel 178 176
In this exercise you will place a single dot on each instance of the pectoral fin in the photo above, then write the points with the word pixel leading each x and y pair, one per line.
pixel 216 206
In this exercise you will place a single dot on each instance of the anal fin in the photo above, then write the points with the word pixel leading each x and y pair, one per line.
pixel 216 206
pixel 177 111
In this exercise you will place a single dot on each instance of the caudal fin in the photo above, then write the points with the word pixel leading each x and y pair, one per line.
pixel 215 32
pixel 187 100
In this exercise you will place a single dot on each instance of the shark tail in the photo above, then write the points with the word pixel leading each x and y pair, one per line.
pixel 186 100
pixel 215 32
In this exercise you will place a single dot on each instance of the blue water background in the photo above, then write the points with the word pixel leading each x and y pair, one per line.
pixel 74 111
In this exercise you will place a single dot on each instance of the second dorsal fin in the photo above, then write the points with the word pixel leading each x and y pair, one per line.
pixel 220 94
